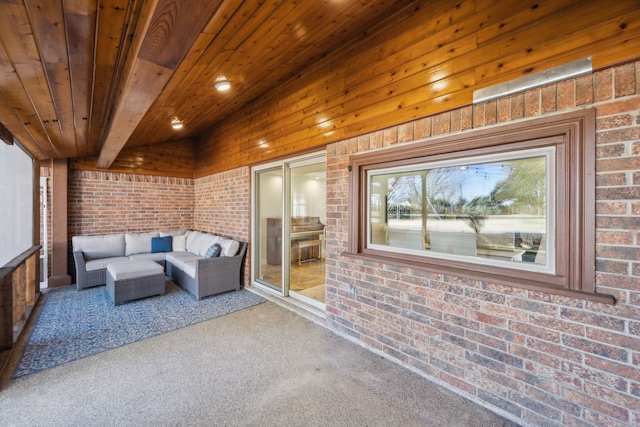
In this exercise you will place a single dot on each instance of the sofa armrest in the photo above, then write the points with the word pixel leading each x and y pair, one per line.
pixel 78 258
pixel 86 279
pixel 81 270
pixel 221 274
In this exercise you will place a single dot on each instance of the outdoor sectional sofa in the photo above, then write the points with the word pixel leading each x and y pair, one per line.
pixel 186 256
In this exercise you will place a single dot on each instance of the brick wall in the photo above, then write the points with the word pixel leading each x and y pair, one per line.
pixel 541 358
pixel 222 206
pixel 545 359
pixel 106 202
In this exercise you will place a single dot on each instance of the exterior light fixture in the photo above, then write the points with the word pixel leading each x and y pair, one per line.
pixel 222 84
pixel 176 124
pixel 545 77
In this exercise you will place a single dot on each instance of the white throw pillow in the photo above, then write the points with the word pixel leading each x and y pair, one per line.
pixel 229 247
pixel 179 243
pixel 193 241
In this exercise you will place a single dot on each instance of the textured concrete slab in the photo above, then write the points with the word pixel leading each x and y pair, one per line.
pixel 260 366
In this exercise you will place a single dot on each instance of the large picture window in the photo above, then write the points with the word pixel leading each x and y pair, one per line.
pixel 512 204
pixel 489 210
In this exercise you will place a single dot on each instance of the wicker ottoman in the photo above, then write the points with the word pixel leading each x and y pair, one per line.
pixel 127 281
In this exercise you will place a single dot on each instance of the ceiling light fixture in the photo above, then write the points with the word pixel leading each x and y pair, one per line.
pixel 222 84
pixel 176 124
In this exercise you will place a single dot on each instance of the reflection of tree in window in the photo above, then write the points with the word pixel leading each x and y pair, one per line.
pixel 524 189
pixel 464 199
pixel 404 195
pixel 405 191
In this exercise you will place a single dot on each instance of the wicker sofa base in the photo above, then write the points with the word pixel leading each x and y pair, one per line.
pixel 213 275
pixel 203 278
pixel 142 286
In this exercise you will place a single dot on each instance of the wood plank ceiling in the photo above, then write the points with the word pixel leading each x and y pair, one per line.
pixel 100 81
pixel 85 78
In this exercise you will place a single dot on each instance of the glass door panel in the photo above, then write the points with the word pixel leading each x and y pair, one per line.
pixel 307 210
pixel 268 218
pixel 289 217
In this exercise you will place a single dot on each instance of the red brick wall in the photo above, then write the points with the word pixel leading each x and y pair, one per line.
pixel 544 359
pixel 222 206
pixel 106 202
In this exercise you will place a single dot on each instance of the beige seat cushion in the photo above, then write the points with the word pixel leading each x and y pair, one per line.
pixel 133 269
pixel 97 264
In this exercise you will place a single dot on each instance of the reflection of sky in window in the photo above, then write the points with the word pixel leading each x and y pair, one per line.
pixel 446 183
pixel 480 180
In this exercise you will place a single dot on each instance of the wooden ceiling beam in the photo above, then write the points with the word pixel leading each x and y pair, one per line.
pixel 164 108
pixel 169 29
pixel 80 24
pixel 114 132
pixel 112 40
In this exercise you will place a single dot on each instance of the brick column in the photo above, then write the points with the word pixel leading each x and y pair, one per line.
pixel 59 235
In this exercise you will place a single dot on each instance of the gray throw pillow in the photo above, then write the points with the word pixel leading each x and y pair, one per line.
pixel 213 251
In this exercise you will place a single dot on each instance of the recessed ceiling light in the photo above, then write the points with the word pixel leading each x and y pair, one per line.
pixel 222 84
pixel 176 124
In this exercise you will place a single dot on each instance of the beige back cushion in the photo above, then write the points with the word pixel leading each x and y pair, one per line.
pixel 104 246
pixel 138 243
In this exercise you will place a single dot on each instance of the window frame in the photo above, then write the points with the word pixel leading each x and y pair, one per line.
pixel 572 135
pixel 547 152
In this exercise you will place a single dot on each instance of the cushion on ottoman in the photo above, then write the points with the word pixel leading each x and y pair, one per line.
pixel 133 269
pixel 127 281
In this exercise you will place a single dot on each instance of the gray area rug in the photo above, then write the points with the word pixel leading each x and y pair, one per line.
pixel 75 324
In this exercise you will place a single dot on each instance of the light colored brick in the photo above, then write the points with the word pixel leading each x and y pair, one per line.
pixel 625 83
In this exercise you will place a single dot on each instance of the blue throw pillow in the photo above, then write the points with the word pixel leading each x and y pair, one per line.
pixel 213 251
pixel 161 244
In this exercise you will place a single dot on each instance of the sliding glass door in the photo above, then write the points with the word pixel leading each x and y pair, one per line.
pixel 289 228
pixel 307 203
pixel 268 227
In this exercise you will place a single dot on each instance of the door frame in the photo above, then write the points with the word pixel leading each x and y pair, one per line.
pixel 285 164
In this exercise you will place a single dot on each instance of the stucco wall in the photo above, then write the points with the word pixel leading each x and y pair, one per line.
pixel 542 358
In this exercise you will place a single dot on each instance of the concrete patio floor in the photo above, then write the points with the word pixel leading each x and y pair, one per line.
pixel 262 366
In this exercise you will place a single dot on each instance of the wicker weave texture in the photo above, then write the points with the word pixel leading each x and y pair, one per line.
pixel 213 275
pixel 122 291
pixel 86 279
